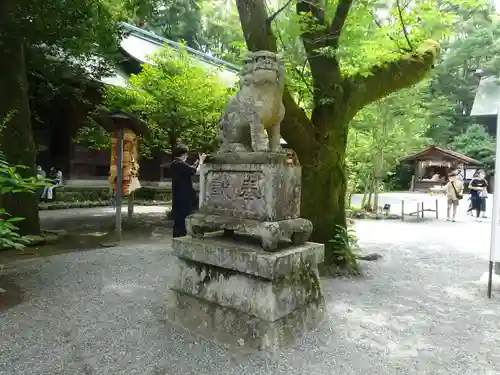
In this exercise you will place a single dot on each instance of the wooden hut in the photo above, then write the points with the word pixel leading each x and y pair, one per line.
pixel 432 166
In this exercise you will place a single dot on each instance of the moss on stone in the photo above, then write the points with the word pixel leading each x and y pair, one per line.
pixel 210 273
pixel 303 275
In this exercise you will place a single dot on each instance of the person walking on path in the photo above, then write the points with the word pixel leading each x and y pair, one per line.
pixel 183 194
pixel 478 187
pixel 454 190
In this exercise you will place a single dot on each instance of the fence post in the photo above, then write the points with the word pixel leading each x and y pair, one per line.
pixel 402 210
pixel 437 205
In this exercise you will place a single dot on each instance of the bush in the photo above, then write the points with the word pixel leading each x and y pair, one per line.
pixel 9 238
pixel 11 182
pixel 73 194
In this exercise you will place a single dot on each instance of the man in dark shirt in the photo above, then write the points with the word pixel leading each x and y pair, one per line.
pixel 184 197
pixel 478 186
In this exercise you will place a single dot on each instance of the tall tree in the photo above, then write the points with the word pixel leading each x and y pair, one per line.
pixel 341 84
pixel 62 30
pixel 221 34
pixel 473 48
pixel 179 20
pixel 476 143
pixel 179 99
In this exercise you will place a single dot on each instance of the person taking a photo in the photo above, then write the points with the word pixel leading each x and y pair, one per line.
pixel 184 197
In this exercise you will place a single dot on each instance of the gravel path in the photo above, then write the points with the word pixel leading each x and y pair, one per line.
pixel 419 310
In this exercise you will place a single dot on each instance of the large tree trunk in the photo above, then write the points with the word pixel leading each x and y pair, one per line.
pixel 324 186
pixel 16 139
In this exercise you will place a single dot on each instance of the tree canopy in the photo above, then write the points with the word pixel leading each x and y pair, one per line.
pixel 179 99
pixel 478 144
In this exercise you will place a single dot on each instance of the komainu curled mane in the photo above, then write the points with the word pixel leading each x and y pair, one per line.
pixel 256 108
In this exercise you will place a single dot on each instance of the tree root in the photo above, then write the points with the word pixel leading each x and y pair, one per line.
pixel 369 257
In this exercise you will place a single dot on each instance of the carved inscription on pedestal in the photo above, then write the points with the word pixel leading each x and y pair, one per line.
pixel 235 193
pixel 250 187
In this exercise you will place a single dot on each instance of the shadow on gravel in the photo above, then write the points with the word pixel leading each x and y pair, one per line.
pixel 10 293
pixel 90 233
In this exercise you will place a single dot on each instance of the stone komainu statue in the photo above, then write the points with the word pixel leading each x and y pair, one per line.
pixel 256 108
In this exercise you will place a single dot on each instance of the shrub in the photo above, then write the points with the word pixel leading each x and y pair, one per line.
pixel 11 182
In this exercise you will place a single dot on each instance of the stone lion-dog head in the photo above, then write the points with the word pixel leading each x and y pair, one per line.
pixel 263 68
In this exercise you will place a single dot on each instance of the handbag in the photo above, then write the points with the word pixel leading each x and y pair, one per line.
pixel 459 196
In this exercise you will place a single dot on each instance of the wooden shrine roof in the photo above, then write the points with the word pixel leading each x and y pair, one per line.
pixel 445 153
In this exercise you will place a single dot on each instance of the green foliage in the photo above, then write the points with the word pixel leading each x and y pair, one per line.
pixel 472 47
pixel 221 31
pixel 11 182
pixel 179 20
pixel 180 100
pixel 383 132
pixel 476 143
pixel 341 249
pixel 437 111
pixel 77 30
pixel 75 25
pixel 381 22
pixel 9 238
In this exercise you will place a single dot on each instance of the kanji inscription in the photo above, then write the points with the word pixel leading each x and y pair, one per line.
pixel 250 187
pixel 234 191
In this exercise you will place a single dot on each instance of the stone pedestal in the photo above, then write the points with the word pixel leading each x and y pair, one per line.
pixel 238 294
pixel 253 193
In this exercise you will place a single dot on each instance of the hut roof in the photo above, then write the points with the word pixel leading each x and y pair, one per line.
pixel 448 154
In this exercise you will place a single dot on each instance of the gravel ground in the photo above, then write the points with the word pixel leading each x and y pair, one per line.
pixel 419 310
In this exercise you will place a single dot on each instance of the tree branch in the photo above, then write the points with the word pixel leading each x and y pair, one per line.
pixel 300 72
pixel 393 76
pixel 315 37
pixel 338 22
pixel 273 16
pixel 389 35
pixel 400 12
pixel 258 33
pixel 297 70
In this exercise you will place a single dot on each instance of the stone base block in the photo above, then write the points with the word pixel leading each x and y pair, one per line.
pixel 269 300
pixel 236 292
pixel 260 284
pixel 271 233
pixel 238 330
